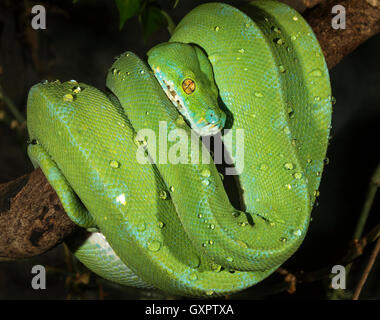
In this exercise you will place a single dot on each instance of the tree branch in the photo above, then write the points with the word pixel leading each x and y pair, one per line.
pixel 367 270
pixel 32 219
pixel 362 22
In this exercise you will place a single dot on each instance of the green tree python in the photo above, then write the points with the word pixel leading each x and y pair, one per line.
pixel 171 225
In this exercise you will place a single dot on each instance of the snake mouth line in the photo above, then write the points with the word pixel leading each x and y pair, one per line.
pixel 173 96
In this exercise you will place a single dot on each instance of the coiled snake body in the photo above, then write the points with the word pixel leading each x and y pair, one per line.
pixel 172 226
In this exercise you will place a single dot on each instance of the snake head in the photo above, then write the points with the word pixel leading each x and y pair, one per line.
pixel 185 74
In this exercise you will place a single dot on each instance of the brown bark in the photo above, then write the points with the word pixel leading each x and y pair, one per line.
pixel 362 22
pixel 32 219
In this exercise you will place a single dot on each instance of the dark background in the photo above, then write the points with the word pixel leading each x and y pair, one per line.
pixel 81 41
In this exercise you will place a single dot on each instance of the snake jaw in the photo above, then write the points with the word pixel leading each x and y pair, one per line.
pixel 173 96
pixel 209 130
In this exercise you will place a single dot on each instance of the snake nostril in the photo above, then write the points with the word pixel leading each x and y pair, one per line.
pixel 212 117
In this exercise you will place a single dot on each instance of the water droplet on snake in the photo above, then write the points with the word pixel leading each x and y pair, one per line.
pixel 279 41
pixel 154 245
pixel 297 175
pixel 205 173
pixel 216 267
pixel 289 166
pixel 332 99
pixel 205 182
pixel 139 141
pixel 114 164
pixel 297 233
pixel 163 195
pixel 161 224
pixel 121 199
pixel 77 89
pixel 316 73
pixel 68 97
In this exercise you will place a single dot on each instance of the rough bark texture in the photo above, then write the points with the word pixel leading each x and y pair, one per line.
pixel 362 22
pixel 32 219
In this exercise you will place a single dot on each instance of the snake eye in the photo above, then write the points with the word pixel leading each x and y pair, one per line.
pixel 188 86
